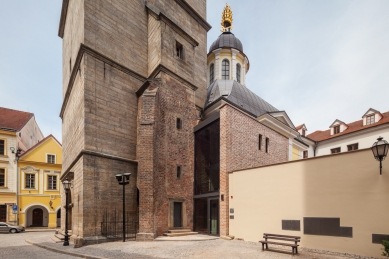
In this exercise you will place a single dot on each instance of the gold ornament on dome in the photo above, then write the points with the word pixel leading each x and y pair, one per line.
pixel 226 19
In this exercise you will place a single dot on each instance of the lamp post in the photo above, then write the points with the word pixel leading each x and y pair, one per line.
pixel 380 150
pixel 124 179
pixel 66 186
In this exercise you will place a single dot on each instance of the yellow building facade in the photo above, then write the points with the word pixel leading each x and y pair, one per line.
pixel 39 196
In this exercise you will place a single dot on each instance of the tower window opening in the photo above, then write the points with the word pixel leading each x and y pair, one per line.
pixel 225 70
pixel 267 145
pixel 178 172
pixel 179 50
pixel 238 73
pixel 211 73
pixel 259 142
pixel 179 123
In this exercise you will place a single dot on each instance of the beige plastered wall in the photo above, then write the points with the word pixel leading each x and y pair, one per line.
pixel 346 186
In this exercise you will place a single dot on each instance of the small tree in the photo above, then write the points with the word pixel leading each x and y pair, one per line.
pixel 385 243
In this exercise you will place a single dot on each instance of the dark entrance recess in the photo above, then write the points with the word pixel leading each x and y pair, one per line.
pixel 178 214
pixel 37 217
pixel 3 213
pixel 207 178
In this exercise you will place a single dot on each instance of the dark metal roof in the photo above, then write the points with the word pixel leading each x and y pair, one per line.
pixel 227 39
pixel 238 95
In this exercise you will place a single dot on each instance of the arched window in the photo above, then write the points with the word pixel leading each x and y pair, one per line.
pixel 238 72
pixel 225 70
pixel 211 73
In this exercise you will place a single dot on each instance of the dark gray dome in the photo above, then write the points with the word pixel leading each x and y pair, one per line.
pixel 227 39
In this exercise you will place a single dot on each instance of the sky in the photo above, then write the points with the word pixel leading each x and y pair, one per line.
pixel 316 60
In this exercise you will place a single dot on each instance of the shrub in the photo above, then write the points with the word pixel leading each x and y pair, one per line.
pixel 385 243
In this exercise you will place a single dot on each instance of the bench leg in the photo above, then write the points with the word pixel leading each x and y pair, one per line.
pixel 292 250
pixel 262 247
pixel 296 250
pixel 267 247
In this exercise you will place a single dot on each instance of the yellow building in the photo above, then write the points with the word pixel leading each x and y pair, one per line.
pixel 39 171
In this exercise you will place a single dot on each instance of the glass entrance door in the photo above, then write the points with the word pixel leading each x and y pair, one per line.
pixel 213 208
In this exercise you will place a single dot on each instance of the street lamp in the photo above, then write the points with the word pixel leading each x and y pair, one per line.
pixel 380 150
pixel 66 185
pixel 124 179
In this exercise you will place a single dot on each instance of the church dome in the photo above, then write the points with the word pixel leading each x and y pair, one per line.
pixel 227 39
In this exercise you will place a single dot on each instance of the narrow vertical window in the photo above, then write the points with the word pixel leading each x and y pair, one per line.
pixel 370 119
pixel 225 69
pixel 2 147
pixel 303 131
pixel 238 73
pixel 259 141
pixel 305 154
pixel 179 123
pixel 70 66
pixel 2 177
pixel 179 50
pixel 178 172
pixel 52 182
pixel 336 129
pixel 267 145
pixel 30 181
pixel 211 73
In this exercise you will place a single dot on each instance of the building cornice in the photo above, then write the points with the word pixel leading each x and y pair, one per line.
pixel 162 17
pixel 85 49
pixel 10 133
pixel 26 162
pixel 93 153
pixel 194 14
pixel 62 20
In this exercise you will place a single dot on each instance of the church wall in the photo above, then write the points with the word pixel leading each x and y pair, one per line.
pixel 161 148
pixel 73 132
pixel 110 109
pixel 200 6
pixel 154 46
pixel 73 37
pixel 118 30
pixel 239 149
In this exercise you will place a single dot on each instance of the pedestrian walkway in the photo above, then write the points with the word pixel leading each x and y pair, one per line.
pixel 210 249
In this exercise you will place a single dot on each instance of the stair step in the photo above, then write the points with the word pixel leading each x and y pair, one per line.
pixel 59 236
pixel 178 230
pixel 180 234
pixel 56 239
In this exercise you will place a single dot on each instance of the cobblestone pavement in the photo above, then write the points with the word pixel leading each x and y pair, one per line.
pixel 212 249
pixel 14 246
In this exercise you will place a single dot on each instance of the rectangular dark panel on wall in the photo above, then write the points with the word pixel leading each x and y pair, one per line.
pixel 330 226
pixel 378 238
pixel 346 232
pixel 291 225
pixel 312 226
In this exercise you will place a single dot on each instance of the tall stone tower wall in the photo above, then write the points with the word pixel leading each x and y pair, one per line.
pixel 111 51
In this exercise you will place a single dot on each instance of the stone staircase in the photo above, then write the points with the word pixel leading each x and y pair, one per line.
pixel 59 236
pixel 179 232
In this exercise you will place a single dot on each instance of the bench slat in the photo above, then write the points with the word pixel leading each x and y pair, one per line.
pixel 284 239
pixel 278 243
pixel 275 235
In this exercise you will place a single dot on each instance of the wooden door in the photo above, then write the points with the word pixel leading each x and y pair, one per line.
pixel 37 217
pixel 3 213
pixel 178 214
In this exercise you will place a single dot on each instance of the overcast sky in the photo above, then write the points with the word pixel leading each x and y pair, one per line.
pixel 317 60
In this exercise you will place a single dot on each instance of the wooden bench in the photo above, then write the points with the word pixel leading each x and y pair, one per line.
pixel 293 239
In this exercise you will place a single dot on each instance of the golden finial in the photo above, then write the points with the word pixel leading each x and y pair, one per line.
pixel 226 19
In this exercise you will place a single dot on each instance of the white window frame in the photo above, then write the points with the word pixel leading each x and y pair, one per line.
pixel 30 170
pixel 46 180
pixel 35 181
pixel 47 158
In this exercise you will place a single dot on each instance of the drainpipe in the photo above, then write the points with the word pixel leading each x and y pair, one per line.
pixel 314 150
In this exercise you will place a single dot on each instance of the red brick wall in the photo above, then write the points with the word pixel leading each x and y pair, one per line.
pixel 239 134
pixel 161 147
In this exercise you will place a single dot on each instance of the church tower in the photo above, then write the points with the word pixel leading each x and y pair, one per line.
pixel 226 59
pixel 134 83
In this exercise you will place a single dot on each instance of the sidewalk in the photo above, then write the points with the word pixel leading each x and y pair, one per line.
pixel 209 249
pixel 38 229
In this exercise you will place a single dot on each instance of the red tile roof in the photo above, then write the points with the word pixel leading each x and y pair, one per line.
pixel 299 127
pixel 352 127
pixel 12 119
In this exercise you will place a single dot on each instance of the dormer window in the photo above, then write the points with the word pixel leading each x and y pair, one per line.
pixel 303 132
pixel 370 119
pixel 337 129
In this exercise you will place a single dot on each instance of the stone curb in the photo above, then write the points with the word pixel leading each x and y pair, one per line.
pixel 64 252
